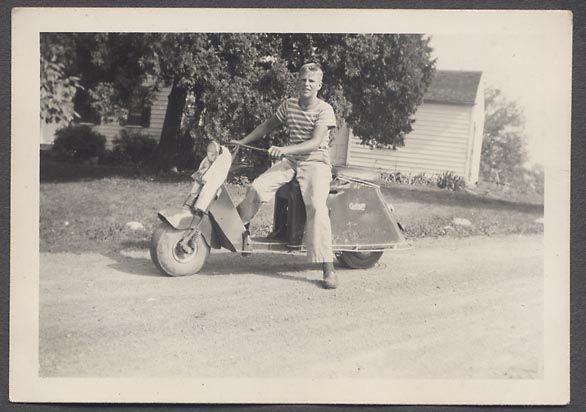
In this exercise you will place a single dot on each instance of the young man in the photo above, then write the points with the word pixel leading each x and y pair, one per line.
pixel 309 121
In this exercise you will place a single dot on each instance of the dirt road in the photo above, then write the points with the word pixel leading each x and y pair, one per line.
pixel 469 308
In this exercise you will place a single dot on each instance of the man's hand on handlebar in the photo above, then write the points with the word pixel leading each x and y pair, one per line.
pixel 277 152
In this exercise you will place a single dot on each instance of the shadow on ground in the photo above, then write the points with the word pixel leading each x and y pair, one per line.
pixel 52 171
pixel 277 266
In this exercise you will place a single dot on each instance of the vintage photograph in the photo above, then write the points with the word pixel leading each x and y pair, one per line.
pixel 272 206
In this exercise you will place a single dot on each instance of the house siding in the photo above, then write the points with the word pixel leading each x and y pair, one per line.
pixel 477 135
pixel 48 131
pixel 112 130
pixel 439 142
pixel 158 109
pixel 339 146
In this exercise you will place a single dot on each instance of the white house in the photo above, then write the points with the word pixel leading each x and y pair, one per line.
pixel 147 120
pixel 447 133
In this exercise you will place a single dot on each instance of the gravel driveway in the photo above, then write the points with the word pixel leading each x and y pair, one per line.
pixel 448 308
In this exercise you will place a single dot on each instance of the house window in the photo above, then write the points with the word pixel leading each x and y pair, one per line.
pixel 82 106
pixel 139 115
pixel 139 109
pixel 138 106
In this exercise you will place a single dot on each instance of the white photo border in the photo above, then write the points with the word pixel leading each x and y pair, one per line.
pixel 26 385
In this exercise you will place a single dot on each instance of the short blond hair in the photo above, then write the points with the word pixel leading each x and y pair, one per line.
pixel 312 67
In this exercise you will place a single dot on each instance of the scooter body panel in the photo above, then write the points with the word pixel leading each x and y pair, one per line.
pixel 222 227
pixel 361 219
pixel 227 223
pixel 359 216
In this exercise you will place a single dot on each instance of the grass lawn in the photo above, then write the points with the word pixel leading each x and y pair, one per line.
pixel 86 208
pixel 428 211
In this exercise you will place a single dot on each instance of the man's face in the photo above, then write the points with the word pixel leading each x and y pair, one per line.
pixel 309 83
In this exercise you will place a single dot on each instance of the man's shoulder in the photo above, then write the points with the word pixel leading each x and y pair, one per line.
pixel 324 105
pixel 288 103
pixel 292 104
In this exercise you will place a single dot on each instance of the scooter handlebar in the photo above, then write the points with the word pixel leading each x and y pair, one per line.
pixel 239 145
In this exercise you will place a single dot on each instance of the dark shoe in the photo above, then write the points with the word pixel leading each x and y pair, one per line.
pixel 277 234
pixel 330 277
pixel 246 243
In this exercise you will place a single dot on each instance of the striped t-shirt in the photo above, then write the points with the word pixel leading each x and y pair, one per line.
pixel 301 123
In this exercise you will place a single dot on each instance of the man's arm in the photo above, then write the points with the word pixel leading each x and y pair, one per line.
pixel 317 137
pixel 261 130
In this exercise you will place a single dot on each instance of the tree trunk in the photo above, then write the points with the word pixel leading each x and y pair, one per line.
pixel 190 145
pixel 166 155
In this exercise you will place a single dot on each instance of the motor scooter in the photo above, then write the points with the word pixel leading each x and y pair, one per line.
pixel 363 227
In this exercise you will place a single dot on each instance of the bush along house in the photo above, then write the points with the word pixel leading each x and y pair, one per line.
pixel 447 133
pixel 143 118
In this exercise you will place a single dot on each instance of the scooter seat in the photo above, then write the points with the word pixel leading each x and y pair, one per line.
pixel 287 190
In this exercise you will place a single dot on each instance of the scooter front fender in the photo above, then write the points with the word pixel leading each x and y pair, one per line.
pixel 181 218
pixel 178 217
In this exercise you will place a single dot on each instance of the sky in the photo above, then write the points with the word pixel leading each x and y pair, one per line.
pixel 524 68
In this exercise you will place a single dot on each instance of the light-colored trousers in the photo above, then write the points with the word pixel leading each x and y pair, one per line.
pixel 314 181
pixel 212 179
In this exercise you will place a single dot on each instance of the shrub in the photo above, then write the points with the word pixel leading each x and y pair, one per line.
pixel 78 143
pixel 132 147
pixel 451 181
pixel 416 179
pixel 113 158
pixel 446 180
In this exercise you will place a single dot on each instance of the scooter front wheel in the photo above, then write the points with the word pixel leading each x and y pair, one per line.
pixel 358 260
pixel 170 258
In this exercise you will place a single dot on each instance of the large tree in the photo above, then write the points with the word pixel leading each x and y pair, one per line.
pixel 374 82
pixel 223 85
pixel 91 72
pixel 504 150
pixel 382 79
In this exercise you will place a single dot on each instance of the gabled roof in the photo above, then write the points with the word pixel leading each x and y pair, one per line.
pixel 453 87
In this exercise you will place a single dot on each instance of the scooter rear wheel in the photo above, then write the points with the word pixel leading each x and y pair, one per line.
pixel 358 260
pixel 170 258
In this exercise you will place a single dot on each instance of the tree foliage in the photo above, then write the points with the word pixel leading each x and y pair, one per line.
pixel 101 73
pixel 384 79
pixel 504 150
pixel 225 84
pixel 374 81
pixel 58 87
